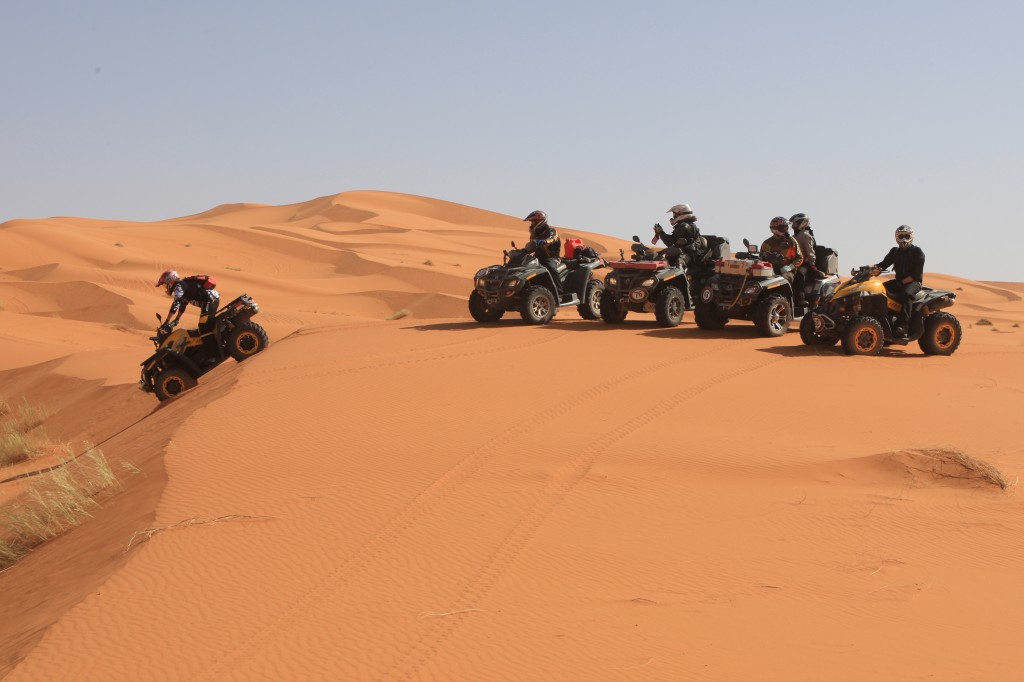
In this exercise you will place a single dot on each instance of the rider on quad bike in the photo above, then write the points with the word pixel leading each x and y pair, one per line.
pixel 536 282
pixel 184 355
pixel 865 313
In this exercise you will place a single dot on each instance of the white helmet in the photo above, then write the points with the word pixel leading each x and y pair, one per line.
pixel 904 236
pixel 680 212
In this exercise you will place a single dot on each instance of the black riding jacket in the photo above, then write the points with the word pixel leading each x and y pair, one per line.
pixel 547 241
pixel 908 262
pixel 685 236
pixel 190 290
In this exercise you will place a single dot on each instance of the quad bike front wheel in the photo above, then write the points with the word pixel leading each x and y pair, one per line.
pixel 590 308
pixel 246 340
pixel 810 336
pixel 482 312
pixel 611 311
pixel 773 316
pixel 669 306
pixel 173 381
pixel 863 336
pixel 942 334
pixel 538 305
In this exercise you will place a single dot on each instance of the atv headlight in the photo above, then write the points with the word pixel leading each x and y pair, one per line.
pixel 611 280
pixel 480 273
pixel 512 282
pixel 479 283
pixel 649 282
pixel 752 289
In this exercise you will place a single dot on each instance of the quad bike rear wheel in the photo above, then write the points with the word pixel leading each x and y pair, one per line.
pixel 668 307
pixel 942 334
pixel 773 316
pixel 246 340
pixel 590 308
pixel 538 305
pixel 173 381
pixel 482 312
pixel 611 311
pixel 863 336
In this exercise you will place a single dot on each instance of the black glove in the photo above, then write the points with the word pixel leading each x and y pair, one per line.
pixel 658 229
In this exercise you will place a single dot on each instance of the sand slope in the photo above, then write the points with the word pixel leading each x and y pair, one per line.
pixel 431 499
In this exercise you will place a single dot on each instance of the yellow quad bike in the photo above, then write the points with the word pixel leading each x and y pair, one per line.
pixel 181 357
pixel 861 314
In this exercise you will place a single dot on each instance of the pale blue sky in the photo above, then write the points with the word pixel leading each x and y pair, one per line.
pixel 864 115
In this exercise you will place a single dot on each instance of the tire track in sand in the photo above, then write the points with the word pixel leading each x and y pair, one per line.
pixel 559 486
pixel 445 485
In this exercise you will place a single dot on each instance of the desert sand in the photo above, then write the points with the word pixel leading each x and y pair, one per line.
pixel 427 498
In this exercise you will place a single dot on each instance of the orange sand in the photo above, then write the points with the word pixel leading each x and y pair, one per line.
pixel 427 498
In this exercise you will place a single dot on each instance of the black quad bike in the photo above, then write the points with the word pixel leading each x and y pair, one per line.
pixel 862 315
pixel 645 283
pixel 181 357
pixel 521 283
pixel 751 286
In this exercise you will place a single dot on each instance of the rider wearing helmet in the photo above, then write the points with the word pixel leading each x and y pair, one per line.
pixel 544 243
pixel 200 291
pixel 907 261
pixel 685 241
pixel 787 248
pixel 804 236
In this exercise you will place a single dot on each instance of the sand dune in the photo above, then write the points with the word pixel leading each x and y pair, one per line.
pixel 426 498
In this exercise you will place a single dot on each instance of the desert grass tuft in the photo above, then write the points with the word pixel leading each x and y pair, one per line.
pixel 16 445
pixel 54 503
pixel 984 322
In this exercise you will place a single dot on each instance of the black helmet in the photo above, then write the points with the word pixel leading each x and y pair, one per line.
pixel 536 217
pixel 779 225
pixel 800 222
pixel 904 236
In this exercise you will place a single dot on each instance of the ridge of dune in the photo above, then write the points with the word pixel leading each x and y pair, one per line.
pixel 425 497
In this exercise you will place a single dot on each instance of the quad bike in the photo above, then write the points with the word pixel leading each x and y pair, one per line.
pixel 649 283
pixel 181 357
pixel 862 315
pixel 751 286
pixel 521 283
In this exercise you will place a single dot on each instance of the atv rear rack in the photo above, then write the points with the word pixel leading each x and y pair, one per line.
pixel 637 264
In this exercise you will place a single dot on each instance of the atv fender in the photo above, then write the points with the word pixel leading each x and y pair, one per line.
pixel 174 359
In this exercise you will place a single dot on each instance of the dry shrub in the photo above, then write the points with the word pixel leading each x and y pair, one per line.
pixel 984 322
pixel 953 463
pixel 54 503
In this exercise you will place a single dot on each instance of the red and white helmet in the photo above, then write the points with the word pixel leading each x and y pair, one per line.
pixel 168 280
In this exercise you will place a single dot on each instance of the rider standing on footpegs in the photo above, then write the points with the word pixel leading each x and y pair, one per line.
pixel 784 245
pixel 907 261
pixel 544 243
pixel 685 241
pixel 193 290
